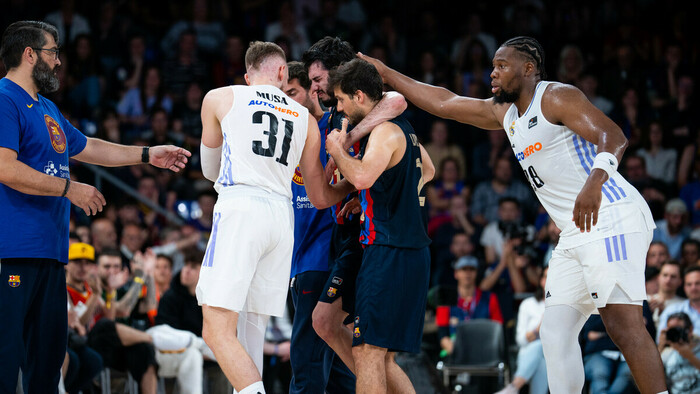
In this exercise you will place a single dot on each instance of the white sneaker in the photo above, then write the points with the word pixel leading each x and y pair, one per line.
pixel 509 389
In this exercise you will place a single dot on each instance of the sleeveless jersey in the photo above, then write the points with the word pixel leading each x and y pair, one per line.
pixel 335 121
pixel 557 162
pixel 264 135
pixel 393 207
pixel 312 227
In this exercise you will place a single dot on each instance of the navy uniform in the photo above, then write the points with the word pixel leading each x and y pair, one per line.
pixel 34 243
pixel 345 249
pixel 314 364
pixel 392 283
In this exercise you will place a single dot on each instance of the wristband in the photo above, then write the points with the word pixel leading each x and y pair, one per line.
pixel 145 156
pixel 607 162
pixel 65 189
pixel 139 280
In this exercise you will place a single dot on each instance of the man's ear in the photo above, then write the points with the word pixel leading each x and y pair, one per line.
pixel 247 79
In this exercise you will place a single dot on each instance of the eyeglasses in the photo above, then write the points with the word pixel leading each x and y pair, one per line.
pixel 54 50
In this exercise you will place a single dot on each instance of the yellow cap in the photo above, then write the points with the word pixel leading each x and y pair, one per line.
pixel 80 250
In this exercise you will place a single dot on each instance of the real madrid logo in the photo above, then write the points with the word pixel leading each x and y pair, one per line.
pixel 511 130
pixel 58 138
pixel 297 178
pixel 14 281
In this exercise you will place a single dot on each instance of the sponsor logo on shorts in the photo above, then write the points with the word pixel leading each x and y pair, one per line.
pixel 548 295
pixel 532 122
pixel 14 281
pixel 356 334
pixel 331 292
pixel 594 295
pixel 337 281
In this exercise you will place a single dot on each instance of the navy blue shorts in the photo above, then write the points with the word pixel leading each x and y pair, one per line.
pixel 315 367
pixel 346 258
pixel 34 326
pixel 392 288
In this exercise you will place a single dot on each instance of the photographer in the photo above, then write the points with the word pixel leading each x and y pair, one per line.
pixel 508 226
pixel 680 353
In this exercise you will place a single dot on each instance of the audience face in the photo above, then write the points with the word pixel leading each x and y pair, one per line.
pixel 189 276
pixel 508 211
pixel 689 254
pixel 656 255
pixel 206 204
pixel 502 171
pixel 77 270
pixel 108 266
pixel 148 188
pixel 691 286
pixel 675 222
pixel 634 169
pixel 133 237
pixel 466 276
pixel 163 271
pixel 438 133
pixel 676 322
pixel 670 278
pixel 104 235
pixel 450 171
pixel 461 245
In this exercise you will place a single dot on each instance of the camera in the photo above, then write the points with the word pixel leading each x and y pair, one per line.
pixel 677 334
pixel 512 229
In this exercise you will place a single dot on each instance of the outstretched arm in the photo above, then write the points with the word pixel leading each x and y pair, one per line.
pixel 109 154
pixel 440 101
pixel 390 106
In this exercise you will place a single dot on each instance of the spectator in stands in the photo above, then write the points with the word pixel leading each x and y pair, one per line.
pixel 439 193
pixel 472 303
pixel 690 253
pixel 588 83
pixel 571 64
pixel 485 200
pixel 691 306
pixel 443 267
pixel 669 282
pixel 210 33
pixel 133 240
pixel 486 154
pixel 690 194
pixel 184 66
pixel 85 78
pixel 229 70
pixel 508 224
pixel 680 352
pixel 551 238
pixel 203 223
pixel 440 148
pixel 287 25
pixel 68 21
pixel 531 367
pixel 657 254
pixel 104 234
pixel 672 230
pixel 327 23
pixel 660 161
pixel 138 102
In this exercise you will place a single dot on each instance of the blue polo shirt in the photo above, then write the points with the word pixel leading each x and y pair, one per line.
pixel 35 226
pixel 312 227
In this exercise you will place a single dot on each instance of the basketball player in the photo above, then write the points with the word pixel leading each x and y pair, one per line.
pixel 336 303
pixel 569 151
pixel 253 137
pixel 392 282
pixel 315 368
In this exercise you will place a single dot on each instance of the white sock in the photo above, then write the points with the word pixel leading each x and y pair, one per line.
pixel 255 388
pixel 562 353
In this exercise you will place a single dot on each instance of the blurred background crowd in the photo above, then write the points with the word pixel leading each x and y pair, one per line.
pixel 136 72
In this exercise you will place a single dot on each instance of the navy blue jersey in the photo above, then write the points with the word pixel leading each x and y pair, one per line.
pixel 312 227
pixel 35 226
pixel 393 207
pixel 335 122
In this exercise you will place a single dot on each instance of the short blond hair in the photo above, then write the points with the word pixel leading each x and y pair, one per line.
pixel 259 51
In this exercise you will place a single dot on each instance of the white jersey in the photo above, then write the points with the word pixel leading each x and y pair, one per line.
pixel 557 163
pixel 264 136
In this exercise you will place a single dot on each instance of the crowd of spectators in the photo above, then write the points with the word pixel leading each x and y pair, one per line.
pixel 136 72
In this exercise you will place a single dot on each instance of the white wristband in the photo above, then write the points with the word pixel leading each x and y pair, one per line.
pixel 607 162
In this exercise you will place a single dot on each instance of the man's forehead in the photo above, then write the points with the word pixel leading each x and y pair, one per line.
pixel 316 69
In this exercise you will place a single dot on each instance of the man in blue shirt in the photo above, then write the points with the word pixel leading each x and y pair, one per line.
pixel 35 147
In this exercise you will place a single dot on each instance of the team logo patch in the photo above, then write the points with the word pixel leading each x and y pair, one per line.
pixel 357 319
pixel 14 281
pixel 58 137
pixel 532 122
pixel 337 281
pixel 594 295
pixel 331 292
pixel 511 129
pixel 357 332
pixel 297 178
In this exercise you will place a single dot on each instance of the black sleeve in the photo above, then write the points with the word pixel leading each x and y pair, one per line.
pixel 169 311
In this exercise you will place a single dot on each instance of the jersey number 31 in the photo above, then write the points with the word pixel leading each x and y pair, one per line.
pixel 259 147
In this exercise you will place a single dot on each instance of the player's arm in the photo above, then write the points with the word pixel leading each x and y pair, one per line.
pixel 440 101
pixel 109 154
pixel 384 142
pixel 567 105
pixel 428 165
pixel 212 136
pixel 321 194
pixel 390 106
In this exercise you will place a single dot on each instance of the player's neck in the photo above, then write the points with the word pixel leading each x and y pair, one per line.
pixel 527 93
pixel 23 78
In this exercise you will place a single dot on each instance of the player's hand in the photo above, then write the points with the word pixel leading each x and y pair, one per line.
pixel 351 207
pixel 378 64
pixel 168 156
pixel 329 170
pixel 335 141
pixel 86 197
pixel 585 214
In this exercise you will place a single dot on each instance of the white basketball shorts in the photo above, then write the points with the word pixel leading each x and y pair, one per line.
pixel 605 271
pixel 248 259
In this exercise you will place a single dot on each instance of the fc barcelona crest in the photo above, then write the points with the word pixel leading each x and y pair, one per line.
pixel 331 292
pixel 14 281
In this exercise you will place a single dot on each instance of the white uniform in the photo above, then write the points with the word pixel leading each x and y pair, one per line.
pixel 248 259
pixel 557 163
